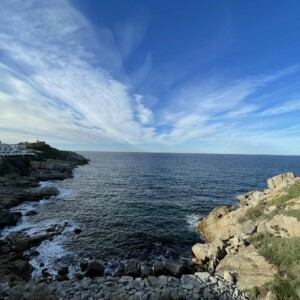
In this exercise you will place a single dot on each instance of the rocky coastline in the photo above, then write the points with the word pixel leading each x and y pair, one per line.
pixel 255 244
pixel 227 266
pixel 131 280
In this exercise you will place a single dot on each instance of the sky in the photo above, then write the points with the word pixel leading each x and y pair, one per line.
pixel 206 76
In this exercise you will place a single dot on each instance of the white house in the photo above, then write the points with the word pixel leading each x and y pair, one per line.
pixel 7 150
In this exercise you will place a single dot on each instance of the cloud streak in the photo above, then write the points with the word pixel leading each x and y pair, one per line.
pixel 64 81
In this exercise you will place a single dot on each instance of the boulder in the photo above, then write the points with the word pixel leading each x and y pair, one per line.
pixel 8 218
pixel 209 251
pixel 9 202
pixel 202 276
pixel 251 197
pixel 83 265
pixel 77 230
pixel 30 213
pixel 281 181
pixel 94 268
pixel 247 227
pixel 148 271
pixel 21 268
pixel 133 268
pixel 41 192
pixel 200 251
pixel 63 271
pixel 223 226
pixel 159 268
pixel 178 269
pixel 120 270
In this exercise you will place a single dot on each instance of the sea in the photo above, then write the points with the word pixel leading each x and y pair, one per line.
pixel 141 205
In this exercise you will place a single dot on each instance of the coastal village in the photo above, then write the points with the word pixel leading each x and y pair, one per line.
pixel 15 150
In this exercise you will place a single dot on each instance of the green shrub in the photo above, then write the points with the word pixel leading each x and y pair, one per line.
pixel 252 213
pixel 283 252
pixel 293 213
pixel 292 192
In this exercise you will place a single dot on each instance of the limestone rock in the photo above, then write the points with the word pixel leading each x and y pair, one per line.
pixel 200 251
pixel 271 296
pixel 281 181
pixel 221 223
pixel 253 269
pixel 228 276
pixel 247 227
pixel 250 197
pixel 281 225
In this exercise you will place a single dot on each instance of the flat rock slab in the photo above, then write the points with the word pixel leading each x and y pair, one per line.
pixel 251 267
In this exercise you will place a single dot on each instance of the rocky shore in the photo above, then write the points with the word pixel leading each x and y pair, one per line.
pixel 19 183
pixel 255 244
pixel 233 263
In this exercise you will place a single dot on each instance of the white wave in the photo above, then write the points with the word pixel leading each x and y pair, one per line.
pixel 192 221
pixel 63 192
pixel 45 183
pixel 53 255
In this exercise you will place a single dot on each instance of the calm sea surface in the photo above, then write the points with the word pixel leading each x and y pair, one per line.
pixel 146 205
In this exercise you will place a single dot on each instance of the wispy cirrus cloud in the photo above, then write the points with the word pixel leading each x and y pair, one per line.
pixel 65 81
pixel 56 80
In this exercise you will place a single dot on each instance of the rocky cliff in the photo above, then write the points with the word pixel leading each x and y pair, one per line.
pixel 256 243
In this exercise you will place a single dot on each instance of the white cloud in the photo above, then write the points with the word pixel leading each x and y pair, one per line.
pixel 55 89
pixel 64 81
pixel 287 107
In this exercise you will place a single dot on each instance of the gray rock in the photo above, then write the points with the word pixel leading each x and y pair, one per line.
pixel 152 280
pixel 159 268
pixel 94 269
pixel 30 213
pixel 133 268
pixel 162 280
pixel 148 271
pixel 203 276
pixel 8 218
pixel 120 270
pixel 126 279
pixel 178 269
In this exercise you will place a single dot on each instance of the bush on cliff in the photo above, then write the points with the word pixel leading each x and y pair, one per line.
pixel 15 166
pixel 47 152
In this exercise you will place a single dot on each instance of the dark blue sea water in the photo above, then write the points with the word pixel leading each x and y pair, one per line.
pixel 146 205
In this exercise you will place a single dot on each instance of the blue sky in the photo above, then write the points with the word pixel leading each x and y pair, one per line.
pixel 165 76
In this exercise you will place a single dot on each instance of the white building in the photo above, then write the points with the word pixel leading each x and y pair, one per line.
pixel 7 150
